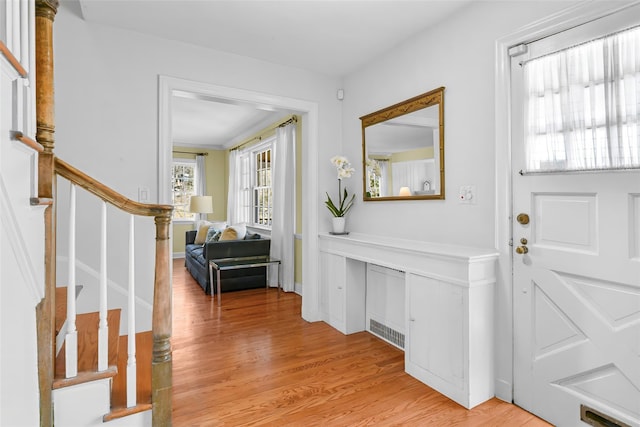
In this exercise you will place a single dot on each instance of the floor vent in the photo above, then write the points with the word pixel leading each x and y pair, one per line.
pixel 598 419
pixel 383 331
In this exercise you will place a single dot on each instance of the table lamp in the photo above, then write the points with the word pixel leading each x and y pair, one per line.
pixel 201 205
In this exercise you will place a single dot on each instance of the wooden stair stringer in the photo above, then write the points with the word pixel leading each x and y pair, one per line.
pixel 144 356
pixel 87 327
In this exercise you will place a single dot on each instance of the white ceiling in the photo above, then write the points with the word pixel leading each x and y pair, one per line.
pixel 332 37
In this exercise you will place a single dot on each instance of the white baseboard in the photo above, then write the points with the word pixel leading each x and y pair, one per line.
pixel 298 288
pixel 177 255
pixel 504 390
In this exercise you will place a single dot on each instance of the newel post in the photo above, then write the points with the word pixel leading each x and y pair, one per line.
pixel 45 125
pixel 45 110
pixel 161 380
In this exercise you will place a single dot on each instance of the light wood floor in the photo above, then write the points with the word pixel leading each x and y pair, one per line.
pixel 255 361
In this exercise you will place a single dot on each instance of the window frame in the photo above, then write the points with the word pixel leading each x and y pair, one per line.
pixel 252 152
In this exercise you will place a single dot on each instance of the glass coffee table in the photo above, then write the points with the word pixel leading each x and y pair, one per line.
pixel 224 264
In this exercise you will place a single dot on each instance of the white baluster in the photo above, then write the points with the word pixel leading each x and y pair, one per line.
pixel 131 361
pixel 103 329
pixel 15 45
pixel 25 25
pixel 8 17
pixel 71 339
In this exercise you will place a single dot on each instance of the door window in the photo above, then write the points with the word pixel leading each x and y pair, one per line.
pixel 582 106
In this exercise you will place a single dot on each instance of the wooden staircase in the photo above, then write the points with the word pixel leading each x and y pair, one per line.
pixel 87 327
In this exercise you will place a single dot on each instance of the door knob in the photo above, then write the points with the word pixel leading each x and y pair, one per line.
pixel 523 218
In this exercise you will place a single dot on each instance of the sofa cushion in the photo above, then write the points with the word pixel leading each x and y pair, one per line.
pixel 194 250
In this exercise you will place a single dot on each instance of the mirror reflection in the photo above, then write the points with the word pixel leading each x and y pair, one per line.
pixel 403 150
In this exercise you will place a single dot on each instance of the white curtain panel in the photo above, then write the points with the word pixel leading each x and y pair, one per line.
pixel 201 181
pixel 384 180
pixel 232 196
pixel 283 223
pixel 410 174
pixel 583 106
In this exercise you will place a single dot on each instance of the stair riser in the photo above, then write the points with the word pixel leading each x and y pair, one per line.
pixel 82 404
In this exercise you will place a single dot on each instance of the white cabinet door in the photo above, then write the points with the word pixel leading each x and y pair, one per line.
pixel 343 292
pixel 436 330
pixel 332 273
pixel 450 339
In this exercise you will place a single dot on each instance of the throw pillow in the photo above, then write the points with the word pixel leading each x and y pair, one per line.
pixel 200 222
pixel 213 237
pixel 210 233
pixel 201 235
pixel 219 225
pixel 241 230
pixel 229 234
pixel 252 236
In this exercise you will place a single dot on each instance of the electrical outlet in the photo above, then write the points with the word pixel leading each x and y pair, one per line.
pixel 467 194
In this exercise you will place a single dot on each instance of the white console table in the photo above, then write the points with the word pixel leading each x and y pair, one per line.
pixel 449 293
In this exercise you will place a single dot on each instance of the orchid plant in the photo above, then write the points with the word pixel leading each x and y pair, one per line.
pixel 344 170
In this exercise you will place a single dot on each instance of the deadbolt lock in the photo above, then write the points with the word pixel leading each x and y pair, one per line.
pixel 523 241
pixel 523 218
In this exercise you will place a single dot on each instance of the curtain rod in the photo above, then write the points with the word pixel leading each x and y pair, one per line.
pixel 292 119
pixel 189 152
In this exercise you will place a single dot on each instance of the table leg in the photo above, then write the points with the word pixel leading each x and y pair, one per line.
pixel 211 280
pixel 219 287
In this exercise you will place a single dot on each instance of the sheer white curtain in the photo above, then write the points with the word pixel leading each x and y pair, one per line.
pixel 410 174
pixel 232 194
pixel 384 178
pixel 283 223
pixel 583 106
pixel 239 197
pixel 201 182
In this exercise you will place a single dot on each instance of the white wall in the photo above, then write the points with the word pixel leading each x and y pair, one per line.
pixel 107 115
pixel 458 54
pixel 21 227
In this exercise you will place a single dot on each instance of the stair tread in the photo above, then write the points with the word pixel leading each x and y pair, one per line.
pixel 123 412
pixel 144 355
pixel 87 327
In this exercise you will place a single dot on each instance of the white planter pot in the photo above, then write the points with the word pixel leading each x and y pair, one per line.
pixel 338 224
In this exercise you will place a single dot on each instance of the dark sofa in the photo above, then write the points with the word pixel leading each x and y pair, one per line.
pixel 197 262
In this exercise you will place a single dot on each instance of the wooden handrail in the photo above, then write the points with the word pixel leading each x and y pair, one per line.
pixel 161 369
pixel 19 136
pixel 109 195
pixel 13 60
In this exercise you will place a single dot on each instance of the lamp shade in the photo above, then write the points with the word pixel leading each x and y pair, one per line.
pixel 404 191
pixel 201 204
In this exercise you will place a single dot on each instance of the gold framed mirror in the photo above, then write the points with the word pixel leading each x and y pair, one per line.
pixel 403 150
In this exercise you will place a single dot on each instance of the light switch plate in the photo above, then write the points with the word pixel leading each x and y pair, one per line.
pixel 467 194
pixel 143 194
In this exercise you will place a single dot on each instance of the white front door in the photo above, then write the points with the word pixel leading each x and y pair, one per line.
pixel 576 278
